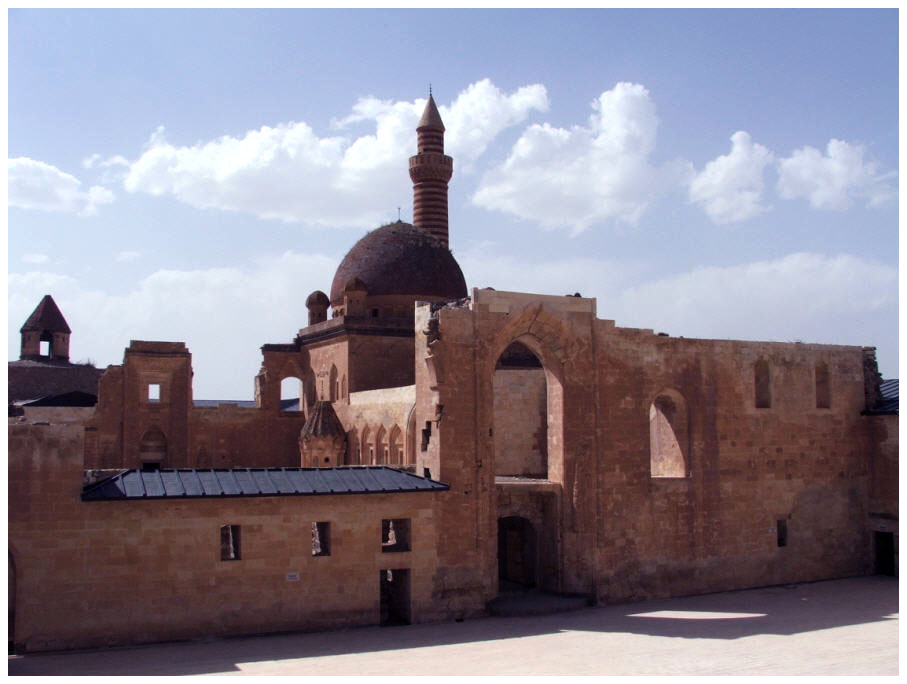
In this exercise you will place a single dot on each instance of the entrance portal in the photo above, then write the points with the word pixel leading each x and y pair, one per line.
pixel 395 607
pixel 517 566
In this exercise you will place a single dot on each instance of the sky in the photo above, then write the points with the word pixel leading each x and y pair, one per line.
pixel 194 175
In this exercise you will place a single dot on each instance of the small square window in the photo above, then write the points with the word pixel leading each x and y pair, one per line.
pixel 44 348
pixel 229 542
pixel 154 391
pixel 321 539
pixel 395 535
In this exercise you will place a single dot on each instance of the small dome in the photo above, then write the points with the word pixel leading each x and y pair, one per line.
pixel 400 259
pixel 317 298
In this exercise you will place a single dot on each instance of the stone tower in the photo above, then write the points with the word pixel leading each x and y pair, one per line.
pixel 430 171
pixel 46 324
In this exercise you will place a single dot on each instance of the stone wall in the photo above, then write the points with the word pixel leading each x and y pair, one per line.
pixel 122 572
pixel 520 422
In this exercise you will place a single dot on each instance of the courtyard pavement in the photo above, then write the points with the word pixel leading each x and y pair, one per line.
pixel 824 628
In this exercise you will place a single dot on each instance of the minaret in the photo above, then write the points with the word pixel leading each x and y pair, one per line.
pixel 430 171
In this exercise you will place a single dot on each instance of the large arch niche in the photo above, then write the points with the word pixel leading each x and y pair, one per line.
pixel 528 412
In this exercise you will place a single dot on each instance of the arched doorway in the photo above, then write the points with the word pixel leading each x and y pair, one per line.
pixel 517 554
pixel 12 601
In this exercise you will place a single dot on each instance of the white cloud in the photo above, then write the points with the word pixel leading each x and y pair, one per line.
pixel 730 186
pixel 811 297
pixel 585 175
pixel 127 255
pixel 834 180
pixel 34 258
pixel 223 314
pixel 36 185
pixel 289 172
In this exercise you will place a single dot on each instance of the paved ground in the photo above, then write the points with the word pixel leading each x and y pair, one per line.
pixel 839 627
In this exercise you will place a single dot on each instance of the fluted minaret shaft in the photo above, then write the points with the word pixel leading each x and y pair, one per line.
pixel 430 171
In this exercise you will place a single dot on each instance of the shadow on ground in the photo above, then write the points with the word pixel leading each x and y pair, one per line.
pixel 783 610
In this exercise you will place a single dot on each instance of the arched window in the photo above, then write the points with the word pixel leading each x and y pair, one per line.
pixel 668 441
pixel 395 446
pixel 381 446
pixel 823 386
pixel 521 413
pixel 352 448
pixel 367 455
pixel 343 394
pixel 333 384
pixel 153 448
pixel 763 382
pixel 291 393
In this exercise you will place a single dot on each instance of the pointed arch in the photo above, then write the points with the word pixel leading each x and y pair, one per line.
pixel 395 446
pixel 668 435
pixel 367 454
pixel 333 384
pixel 410 437
pixel 381 454
pixel 351 457
pixel 153 447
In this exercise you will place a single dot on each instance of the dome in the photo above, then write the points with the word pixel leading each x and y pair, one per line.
pixel 317 298
pixel 400 259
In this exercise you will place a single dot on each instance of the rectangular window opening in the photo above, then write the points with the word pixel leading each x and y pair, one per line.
pixel 44 348
pixel 426 435
pixel 782 533
pixel 321 539
pixel 154 391
pixel 229 542
pixel 395 535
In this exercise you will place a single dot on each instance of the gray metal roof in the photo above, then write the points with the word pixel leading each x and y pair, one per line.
pixel 234 482
pixel 889 391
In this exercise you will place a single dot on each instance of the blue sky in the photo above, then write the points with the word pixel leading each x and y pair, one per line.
pixel 194 175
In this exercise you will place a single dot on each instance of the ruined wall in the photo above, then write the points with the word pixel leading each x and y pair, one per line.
pixel 749 467
pixel 109 573
pixel 377 362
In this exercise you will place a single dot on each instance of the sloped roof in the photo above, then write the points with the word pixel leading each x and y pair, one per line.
pixel 245 482
pixel 431 116
pixel 889 391
pixel 323 421
pixel 46 317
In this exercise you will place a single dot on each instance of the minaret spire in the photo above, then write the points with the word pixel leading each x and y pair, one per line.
pixel 430 171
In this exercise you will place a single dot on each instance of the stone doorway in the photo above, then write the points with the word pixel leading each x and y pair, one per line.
pixel 884 547
pixel 395 597
pixel 517 554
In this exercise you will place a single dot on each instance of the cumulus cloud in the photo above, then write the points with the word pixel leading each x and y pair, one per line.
pixel 729 188
pixel 291 173
pixel 36 185
pixel 223 314
pixel 834 180
pixel 34 258
pixel 584 175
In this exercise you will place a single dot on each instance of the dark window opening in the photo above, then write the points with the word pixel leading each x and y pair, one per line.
pixel 374 313
pixel 229 543
pixel 762 378
pixel 395 535
pixel 782 533
pixel 884 547
pixel 426 435
pixel 149 467
pixel 321 539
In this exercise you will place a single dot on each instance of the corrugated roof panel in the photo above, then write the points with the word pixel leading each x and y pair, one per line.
pixel 263 481
pixel 154 486
pixel 173 485
pixel 134 484
pixel 209 481
pixel 246 482
pixel 281 481
pixel 227 481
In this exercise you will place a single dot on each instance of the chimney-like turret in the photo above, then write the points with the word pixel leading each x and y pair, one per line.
pixel 430 171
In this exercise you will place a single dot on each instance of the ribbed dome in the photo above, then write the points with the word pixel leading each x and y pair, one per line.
pixel 400 259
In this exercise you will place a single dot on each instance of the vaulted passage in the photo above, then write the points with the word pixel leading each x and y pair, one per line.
pixel 517 554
